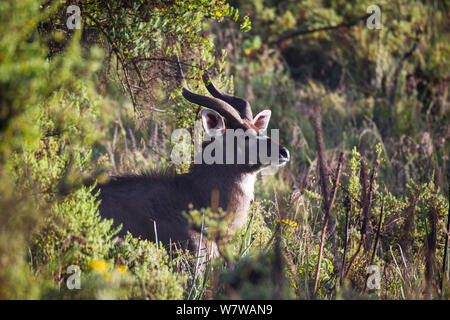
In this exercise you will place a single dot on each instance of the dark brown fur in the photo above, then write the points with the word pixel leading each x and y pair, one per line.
pixel 138 201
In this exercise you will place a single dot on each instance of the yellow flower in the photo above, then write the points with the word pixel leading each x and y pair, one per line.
pixel 290 223
pixel 121 269
pixel 98 265
pixel 218 14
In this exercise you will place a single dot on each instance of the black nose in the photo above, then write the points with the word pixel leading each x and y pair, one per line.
pixel 284 154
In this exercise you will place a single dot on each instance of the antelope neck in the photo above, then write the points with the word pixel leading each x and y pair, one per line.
pixel 235 186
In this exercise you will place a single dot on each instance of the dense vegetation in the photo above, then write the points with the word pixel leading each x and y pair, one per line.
pixel 364 112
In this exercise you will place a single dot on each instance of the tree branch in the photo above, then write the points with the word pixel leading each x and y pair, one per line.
pixel 294 33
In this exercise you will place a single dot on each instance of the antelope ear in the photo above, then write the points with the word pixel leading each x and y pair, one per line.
pixel 261 120
pixel 212 123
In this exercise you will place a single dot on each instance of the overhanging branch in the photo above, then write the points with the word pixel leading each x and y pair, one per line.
pixel 294 33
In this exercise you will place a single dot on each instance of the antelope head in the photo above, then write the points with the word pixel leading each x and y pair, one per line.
pixel 229 115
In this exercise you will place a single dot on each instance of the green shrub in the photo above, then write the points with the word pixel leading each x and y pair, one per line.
pixel 73 234
pixel 151 267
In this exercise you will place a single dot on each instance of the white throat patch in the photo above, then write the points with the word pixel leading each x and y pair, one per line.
pixel 247 185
